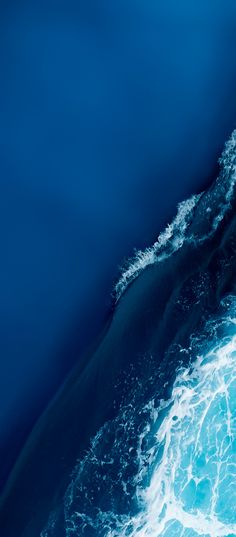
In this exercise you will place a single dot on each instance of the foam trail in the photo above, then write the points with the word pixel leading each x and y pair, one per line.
pixel 169 241
pixel 176 233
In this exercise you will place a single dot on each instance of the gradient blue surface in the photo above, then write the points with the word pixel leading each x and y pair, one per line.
pixel 101 103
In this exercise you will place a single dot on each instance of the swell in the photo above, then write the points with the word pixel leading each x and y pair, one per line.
pixel 149 336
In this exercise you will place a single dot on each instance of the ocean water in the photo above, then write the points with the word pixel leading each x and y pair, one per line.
pixel 165 465
pixel 112 113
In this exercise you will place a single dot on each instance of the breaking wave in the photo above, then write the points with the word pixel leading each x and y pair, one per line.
pixel 177 474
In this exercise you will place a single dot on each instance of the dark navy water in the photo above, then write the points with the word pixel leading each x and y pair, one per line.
pixel 111 113
pixel 141 439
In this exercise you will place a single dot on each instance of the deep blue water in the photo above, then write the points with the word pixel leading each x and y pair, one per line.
pixel 141 440
pixel 111 113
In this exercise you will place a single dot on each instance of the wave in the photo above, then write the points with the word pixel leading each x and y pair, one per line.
pixel 165 466
pixel 141 440
pixel 175 234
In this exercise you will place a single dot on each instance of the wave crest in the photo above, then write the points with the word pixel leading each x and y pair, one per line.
pixel 175 234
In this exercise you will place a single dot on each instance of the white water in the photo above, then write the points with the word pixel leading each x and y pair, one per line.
pixel 192 491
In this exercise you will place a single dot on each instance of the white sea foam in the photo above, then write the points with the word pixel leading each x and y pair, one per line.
pixel 169 241
pixel 173 237
pixel 193 486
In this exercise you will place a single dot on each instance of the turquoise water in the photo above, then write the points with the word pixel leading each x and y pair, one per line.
pixel 193 484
